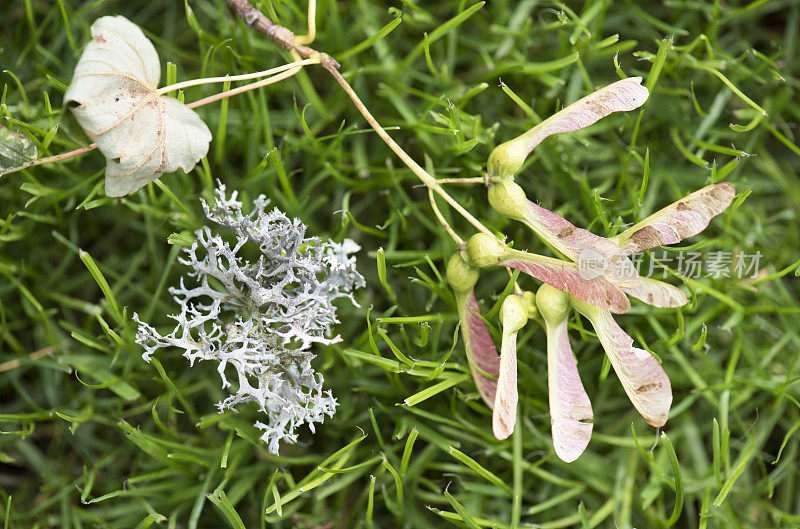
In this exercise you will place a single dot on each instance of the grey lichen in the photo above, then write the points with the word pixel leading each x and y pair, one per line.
pixel 261 317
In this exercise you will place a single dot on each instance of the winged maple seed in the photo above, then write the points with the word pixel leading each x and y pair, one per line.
pixel 115 99
pixel 677 221
pixel 513 316
pixel 484 363
pixel 641 375
pixel 628 94
pixel 570 408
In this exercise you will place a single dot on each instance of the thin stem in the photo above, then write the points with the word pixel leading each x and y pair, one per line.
pixel 471 180
pixel 243 77
pixel 63 156
pixel 245 88
pixel 286 39
pixel 459 241
pixel 423 175
pixel 276 33
pixel 15 363
pixel 517 289
pixel 312 25
pixel 516 480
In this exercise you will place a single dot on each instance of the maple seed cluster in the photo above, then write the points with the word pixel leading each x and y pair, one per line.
pixel 597 280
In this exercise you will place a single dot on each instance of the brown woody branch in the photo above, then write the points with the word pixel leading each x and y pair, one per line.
pixel 278 34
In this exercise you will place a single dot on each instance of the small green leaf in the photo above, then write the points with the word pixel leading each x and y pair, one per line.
pixel 468 520
pixel 676 472
pixel 16 151
pixel 184 238
pixel 103 284
pixel 192 19
pixel 412 437
pixel 221 501
pixel 429 392
pixel 382 274
pixel 478 469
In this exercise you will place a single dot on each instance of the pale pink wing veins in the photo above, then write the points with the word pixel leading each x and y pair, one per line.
pixel 581 245
pixel 481 352
pixel 686 217
pixel 564 276
pixel 627 94
pixel 569 403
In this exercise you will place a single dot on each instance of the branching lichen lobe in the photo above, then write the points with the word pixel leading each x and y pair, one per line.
pixel 262 317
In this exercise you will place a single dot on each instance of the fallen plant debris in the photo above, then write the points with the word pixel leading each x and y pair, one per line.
pixel 701 358
pixel 115 98
pixel 16 151
pixel 261 317
pixel 596 282
pixel 590 292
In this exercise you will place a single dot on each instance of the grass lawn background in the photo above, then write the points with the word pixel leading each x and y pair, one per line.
pixel 92 436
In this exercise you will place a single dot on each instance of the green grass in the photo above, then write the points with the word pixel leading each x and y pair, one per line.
pixel 92 436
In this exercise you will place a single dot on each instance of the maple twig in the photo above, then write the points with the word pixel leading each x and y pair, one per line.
pixel 286 39
pixel 278 34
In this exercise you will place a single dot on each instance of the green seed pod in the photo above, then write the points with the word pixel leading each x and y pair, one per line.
pixel 508 199
pixel 484 250
pixel 513 314
pixel 530 304
pixel 461 276
pixel 507 158
pixel 553 304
